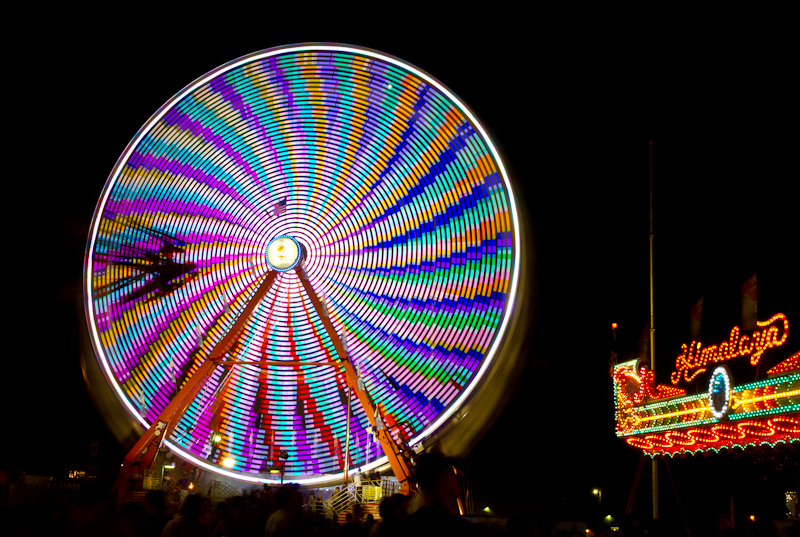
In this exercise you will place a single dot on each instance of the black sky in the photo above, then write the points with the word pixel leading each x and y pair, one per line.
pixel 571 110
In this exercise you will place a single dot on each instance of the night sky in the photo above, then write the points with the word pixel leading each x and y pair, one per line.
pixel 571 111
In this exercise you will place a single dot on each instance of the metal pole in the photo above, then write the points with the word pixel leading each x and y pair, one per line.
pixel 652 330
pixel 677 498
pixel 347 435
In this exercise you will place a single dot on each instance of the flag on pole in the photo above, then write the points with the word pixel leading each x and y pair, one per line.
pixel 694 319
pixel 643 345
pixel 172 368
pixel 359 380
pixel 750 303
pixel 323 300
pixel 200 336
pixel 279 208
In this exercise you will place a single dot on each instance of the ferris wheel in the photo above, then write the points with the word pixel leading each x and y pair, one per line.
pixel 307 257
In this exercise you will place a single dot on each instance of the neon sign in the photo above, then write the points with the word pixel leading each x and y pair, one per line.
pixel 634 386
pixel 694 358
pixel 769 431
pixel 664 420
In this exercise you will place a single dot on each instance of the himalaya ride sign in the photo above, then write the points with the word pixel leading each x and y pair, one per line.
pixel 696 358
pixel 663 419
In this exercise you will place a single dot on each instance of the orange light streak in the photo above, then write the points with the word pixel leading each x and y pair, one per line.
pixel 768 397
pixel 790 364
pixel 694 358
pixel 720 434
pixel 701 408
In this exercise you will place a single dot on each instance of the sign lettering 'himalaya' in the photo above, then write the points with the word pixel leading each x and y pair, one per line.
pixel 695 358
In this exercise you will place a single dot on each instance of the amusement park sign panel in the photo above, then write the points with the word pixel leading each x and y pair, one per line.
pixel 663 419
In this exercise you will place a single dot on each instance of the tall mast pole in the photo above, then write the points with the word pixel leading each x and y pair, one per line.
pixel 652 331
pixel 347 435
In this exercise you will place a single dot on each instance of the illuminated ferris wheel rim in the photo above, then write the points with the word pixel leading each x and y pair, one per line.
pixel 501 332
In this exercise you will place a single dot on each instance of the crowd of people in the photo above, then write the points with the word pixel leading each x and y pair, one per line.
pixel 285 512
pixel 269 512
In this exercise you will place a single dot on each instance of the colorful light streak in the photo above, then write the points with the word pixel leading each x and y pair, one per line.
pixel 410 230
pixel 767 431
pixel 770 397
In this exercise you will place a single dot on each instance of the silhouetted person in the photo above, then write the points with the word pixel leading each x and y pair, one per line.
pixel 158 516
pixel 338 497
pixel 393 511
pixel 369 522
pixel 439 493
pixel 793 530
pixel 234 523
pixel 519 524
pixel 353 527
pixel 312 503
pixel 186 524
pixel 285 521
pixel 132 517
pixel 763 527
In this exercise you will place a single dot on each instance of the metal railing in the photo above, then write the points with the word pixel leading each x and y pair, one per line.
pixel 219 490
pixel 365 493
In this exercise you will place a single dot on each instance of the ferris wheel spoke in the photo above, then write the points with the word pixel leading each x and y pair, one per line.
pixel 111 287
pixel 171 415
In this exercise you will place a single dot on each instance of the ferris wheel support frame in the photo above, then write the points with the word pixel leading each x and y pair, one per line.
pixel 397 457
pixel 143 453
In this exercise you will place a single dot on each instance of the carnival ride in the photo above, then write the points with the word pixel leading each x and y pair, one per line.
pixel 299 230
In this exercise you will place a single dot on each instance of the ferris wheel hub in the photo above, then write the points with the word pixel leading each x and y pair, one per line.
pixel 284 253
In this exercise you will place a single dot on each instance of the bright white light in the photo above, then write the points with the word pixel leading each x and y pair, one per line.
pixel 283 253
pixel 228 463
pixel 719 392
